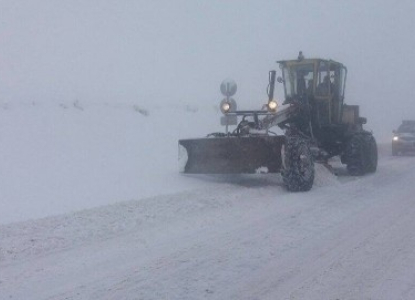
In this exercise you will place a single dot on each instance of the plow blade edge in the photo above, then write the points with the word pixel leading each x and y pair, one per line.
pixel 231 155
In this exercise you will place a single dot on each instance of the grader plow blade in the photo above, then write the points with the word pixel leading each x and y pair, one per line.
pixel 231 155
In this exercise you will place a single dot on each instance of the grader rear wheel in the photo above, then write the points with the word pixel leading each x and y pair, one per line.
pixel 371 161
pixel 356 155
pixel 362 154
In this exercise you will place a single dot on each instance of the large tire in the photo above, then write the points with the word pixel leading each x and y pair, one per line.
pixel 356 155
pixel 371 160
pixel 298 165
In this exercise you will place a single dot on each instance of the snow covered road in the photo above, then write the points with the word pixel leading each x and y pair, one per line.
pixel 238 238
pixel 94 97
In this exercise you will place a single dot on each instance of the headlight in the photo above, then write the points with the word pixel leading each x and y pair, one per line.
pixel 395 138
pixel 227 105
pixel 272 106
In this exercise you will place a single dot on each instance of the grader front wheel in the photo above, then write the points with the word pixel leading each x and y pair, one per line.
pixel 298 166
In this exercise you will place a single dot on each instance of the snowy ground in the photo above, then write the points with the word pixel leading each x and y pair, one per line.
pixel 64 157
pixel 92 207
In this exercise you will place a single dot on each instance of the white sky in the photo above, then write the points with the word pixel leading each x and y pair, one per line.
pixel 180 51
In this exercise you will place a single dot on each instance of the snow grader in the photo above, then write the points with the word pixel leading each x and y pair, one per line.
pixel 315 122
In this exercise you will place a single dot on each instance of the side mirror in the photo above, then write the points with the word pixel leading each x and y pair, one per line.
pixel 280 80
pixel 361 120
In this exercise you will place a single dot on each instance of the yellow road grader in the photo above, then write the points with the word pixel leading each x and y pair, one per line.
pixel 315 121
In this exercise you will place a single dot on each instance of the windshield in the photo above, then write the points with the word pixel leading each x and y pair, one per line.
pixel 298 79
pixel 406 128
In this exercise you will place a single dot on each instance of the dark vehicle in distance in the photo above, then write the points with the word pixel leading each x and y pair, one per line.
pixel 403 140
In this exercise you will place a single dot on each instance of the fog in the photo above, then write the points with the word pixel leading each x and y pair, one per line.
pixel 180 51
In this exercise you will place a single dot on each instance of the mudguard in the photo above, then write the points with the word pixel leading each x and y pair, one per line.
pixel 231 155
